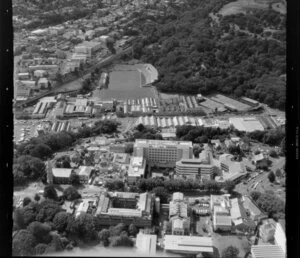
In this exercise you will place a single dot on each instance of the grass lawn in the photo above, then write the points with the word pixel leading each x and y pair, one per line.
pixel 222 242
pixel 124 80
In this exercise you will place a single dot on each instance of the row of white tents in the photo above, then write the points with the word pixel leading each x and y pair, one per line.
pixel 163 122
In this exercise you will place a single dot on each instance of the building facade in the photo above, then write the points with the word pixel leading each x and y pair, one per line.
pixel 127 208
pixel 136 169
pixel 163 153
pixel 194 169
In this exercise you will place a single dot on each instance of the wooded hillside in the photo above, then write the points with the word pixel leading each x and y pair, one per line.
pixel 239 55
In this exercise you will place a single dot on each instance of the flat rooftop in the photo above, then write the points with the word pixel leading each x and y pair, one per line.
pixel 247 124
pixel 163 142
pixel 267 251
pixel 61 172
pixel 190 244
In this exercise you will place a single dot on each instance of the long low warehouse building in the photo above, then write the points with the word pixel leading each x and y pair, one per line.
pixel 188 244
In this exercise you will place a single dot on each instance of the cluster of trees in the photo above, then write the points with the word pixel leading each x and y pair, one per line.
pixel 269 203
pixel 231 252
pixel 118 235
pixel 142 132
pixel 100 127
pixel 63 162
pixel 29 157
pixel 43 227
pixel 27 168
pixel 274 137
pixel 173 185
pixel 114 185
pixel 86 86
pixel 201 134
pixel 235 63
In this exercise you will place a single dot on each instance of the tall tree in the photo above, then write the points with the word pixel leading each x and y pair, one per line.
pixel 50 192
pixel 71 193
pixel 271 176
pixel 23 243
pixel 61 220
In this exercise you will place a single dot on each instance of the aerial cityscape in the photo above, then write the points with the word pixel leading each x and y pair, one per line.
pixel 147 128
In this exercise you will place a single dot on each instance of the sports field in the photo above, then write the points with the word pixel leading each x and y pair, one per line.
pixel 125 82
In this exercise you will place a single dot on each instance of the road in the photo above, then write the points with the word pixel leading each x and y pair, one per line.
pixel 263 181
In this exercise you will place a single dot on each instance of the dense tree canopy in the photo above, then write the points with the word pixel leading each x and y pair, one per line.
pixel 60 221
pixel 231 252
pixel 85 227
pixel 23 243
pixel 27 168
pixel 48 209
pixel 121 241
pixel 270 203
pixel 29 213
pixel 40 231
pixel 238 61
pixel 132 230
pixel 271 176
pixel 114 185
pixel 162 193
pixel 41 151
pixel 50 192
pixel 71 193
pixel 40 249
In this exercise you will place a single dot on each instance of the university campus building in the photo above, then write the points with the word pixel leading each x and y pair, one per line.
pixel 163 153
pixel 122 207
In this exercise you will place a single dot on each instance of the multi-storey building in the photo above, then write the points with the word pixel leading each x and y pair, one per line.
pixel 163 153
pixel 119 207
pixel 136 169
pixel 195 169
pixel 178 214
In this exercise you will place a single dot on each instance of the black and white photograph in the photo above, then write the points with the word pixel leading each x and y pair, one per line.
pixel 149 128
